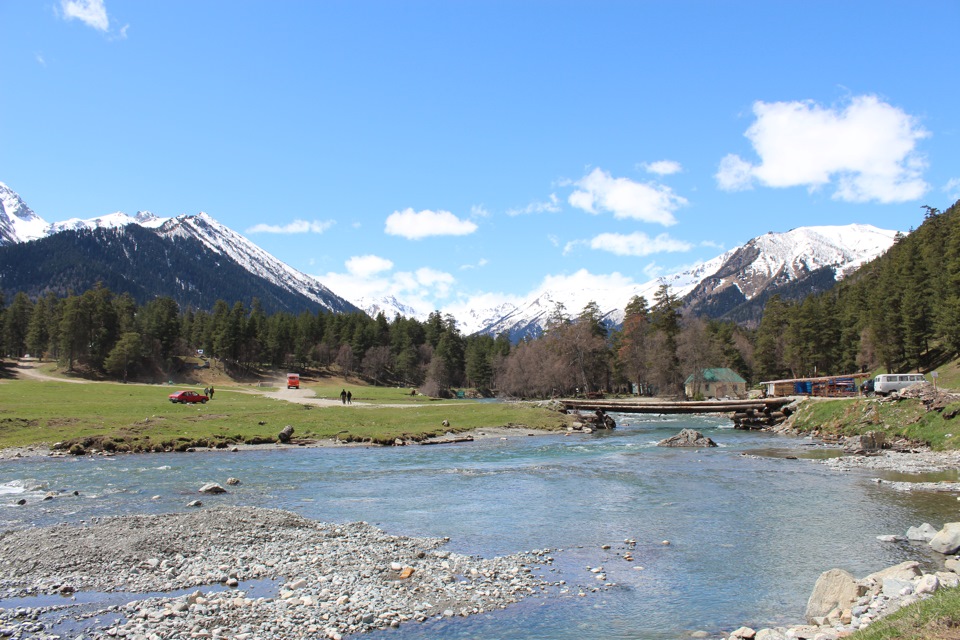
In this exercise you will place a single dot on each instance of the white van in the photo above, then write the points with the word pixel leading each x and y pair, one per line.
pixel 890 382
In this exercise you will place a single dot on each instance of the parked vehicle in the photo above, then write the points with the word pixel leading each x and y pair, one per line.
pixel 184 397
pixel 293 381
pixel 887 383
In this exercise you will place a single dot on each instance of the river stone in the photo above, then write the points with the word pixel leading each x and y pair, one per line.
pixel 769 634
pixel 868 442
pixel 687 438
pixel 746 633
pixel 212 487
pixel 285 434
pixel 923 533
pixel 893 588
pixel 947 540
pixel 834 588
pixel 948 579
pixel 905 571
pixel 927 584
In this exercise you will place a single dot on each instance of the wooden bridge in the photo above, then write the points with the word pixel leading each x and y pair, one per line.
pixel 747 414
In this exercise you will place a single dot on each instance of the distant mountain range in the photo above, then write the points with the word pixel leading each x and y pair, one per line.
pixel 732 286
pixel 196 260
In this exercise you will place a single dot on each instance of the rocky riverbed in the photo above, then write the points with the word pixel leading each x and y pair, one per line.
pixel 333 579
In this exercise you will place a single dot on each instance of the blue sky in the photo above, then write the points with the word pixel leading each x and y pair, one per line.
pixel 460 153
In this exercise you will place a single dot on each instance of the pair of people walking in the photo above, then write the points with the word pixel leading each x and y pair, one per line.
pixel 346 397
pixel 208 391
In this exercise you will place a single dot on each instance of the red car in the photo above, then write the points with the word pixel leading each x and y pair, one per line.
pixel 184 397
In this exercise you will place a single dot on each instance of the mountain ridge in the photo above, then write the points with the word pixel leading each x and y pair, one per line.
pixel 733 285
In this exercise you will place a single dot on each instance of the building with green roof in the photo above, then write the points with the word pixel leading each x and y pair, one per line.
pixel 715 383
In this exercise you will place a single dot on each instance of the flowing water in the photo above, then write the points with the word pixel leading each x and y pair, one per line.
pixel 748 534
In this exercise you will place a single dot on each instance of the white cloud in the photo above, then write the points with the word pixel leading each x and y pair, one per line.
pixel 369 278
pixel 297 226
pixel 662 167
pixel 552 205
pixel 415 225
pixel 648 202
pixel 952 188
pixel 638 244
pixel 866 150
pixel 91 12
pixel 735 173
pixel 366 266
pixel 40 60
pixel 482 262
pixel 479 211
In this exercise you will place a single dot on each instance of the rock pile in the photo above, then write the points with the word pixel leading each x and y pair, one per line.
pixel 687 438
pixel 338 579
pixel 933 399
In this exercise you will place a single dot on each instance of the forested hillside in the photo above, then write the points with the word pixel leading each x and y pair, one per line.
pixel 136 261
pixel 900 312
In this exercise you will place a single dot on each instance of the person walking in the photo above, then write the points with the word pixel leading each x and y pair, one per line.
pixel 349 398
pixel 211 392
pixel 343 396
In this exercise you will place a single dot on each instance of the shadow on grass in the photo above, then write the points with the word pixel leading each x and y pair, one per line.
pixel 7 370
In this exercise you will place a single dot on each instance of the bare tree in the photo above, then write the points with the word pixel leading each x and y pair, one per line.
pixel 345 359
pixel 376 363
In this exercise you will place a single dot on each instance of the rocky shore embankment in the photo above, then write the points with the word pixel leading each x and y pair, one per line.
pixel 335 579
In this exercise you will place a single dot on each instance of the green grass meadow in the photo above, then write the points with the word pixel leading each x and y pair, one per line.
pixel 140 417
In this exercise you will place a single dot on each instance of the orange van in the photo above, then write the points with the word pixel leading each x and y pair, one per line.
pixel 293 381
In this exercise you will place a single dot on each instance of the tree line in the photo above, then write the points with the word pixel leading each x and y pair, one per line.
pixel 112 335
pixel 900 312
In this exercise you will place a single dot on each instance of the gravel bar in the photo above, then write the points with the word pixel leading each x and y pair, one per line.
pixel 337 579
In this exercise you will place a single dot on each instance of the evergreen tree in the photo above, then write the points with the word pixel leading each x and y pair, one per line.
pixel 125 354
pixel 16 325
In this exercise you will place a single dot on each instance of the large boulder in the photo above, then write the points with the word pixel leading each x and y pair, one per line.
pixel 835 589
pixel 869 442
pixel 687 438
pixel 285 434
pixel 923 533
pixel 947 541
pixel 212 487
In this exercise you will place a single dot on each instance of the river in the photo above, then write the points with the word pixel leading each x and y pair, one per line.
pixel 748 534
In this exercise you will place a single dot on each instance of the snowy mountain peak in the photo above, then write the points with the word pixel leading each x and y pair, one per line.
pixel 18 223
pixel 115 220
pixel 714 287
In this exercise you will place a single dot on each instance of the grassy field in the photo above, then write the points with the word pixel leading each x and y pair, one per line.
pixel 140 418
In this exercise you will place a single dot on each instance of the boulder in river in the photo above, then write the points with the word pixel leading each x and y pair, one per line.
pixel 212 487
pixel 835 589
pixel 923 533
pixel 947 541
pixel 687 438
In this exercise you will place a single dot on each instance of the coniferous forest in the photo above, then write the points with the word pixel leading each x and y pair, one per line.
pixel 901 312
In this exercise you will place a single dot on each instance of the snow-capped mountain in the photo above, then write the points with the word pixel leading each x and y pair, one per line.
pixel 389 306
pixel 220 239
pixel 722 287
pixel 210 243
pixel 109 221
pixel 18 223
